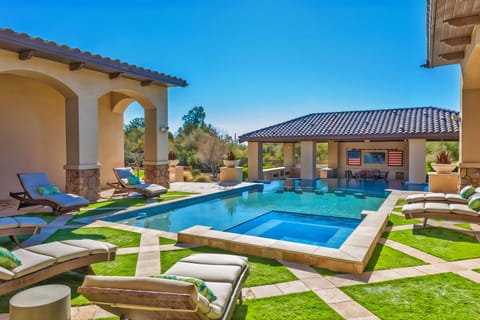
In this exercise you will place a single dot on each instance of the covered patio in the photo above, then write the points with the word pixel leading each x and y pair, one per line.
pixel 387 144
pixel 62 114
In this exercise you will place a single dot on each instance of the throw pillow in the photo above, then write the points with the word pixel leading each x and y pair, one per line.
pixel 467 191
pixel 474 203
pixel 133 180
pixel 48 189
pixel 8 260
pixel 200 284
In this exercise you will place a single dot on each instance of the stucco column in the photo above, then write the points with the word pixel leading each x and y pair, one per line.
pixel 255 166
pixel 308 156
pixel 469 155
pixel 156 143
pixel 288 154
pixel 416 160
pixel 82 167
pixel 333 154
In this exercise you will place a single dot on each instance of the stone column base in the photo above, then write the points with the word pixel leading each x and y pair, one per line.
pixel 157 173
pixel 469 176
pixel 84 182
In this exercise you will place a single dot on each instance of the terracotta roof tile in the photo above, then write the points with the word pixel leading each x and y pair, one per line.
pixel 423 122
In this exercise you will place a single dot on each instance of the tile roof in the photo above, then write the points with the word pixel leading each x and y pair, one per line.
pixel 21 42
pixel 389 124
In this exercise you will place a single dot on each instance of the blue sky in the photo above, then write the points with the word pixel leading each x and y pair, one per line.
pixel 253 63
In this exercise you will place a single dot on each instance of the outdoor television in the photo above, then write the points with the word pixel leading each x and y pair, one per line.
pixel 374 157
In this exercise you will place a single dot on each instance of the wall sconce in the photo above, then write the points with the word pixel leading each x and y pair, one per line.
pixel 454 117
pixel 163 129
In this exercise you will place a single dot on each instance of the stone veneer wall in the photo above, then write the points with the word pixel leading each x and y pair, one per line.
pixel 85 183
pixel 469 176
pixel 157 173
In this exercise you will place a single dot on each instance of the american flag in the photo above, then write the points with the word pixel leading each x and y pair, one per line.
pixel 353 158
pixel 395 158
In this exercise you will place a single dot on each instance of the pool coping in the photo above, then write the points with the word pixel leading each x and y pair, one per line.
pixel 352 256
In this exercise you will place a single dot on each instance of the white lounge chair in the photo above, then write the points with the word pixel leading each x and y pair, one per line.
pixel 12 226
pixel 442 210
pixel 159 298
pixel 31 196
pixel 440 197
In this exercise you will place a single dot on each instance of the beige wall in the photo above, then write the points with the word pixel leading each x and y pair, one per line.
pixel 373 146
pixel 32 135
pixel 45 95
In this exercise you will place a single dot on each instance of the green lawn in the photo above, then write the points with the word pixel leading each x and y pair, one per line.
pixel 297 306
pixel 120 238
pixel 384 257
pixel 446 244
pixel 396 220
pixel 163 241
pixel 441 296
pixel 262 271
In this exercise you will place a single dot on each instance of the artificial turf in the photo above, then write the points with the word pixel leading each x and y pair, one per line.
pixel 120 238
pixel 262 270
pixel 296 306
pixel 441 296
pixel 446 244
pixel 397 220
pixel 384 257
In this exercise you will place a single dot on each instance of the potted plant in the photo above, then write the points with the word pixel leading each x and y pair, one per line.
pixel 172 158
pixel 443 163
pixel 230 160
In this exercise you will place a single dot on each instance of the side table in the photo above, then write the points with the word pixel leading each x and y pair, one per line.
pixel 48 302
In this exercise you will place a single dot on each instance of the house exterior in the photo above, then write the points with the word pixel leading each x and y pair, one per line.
pixel 390 140
pixel 453 37
pixel 62 113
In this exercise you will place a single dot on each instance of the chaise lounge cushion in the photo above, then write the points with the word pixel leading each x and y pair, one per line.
pixel 60 251
pixel 31 262
pixel 67 199
pixel 94 246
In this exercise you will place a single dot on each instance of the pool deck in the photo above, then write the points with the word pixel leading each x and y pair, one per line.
pixel 351 257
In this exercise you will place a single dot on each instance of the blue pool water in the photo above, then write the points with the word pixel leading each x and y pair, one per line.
pixel 322 199
pixel 304 228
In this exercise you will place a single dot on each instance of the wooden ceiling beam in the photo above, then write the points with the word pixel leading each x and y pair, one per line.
pixel 453 55
pixel 76 66
pixel 114 75
pixel 26 54
pixel 457 41
pixel 464 21
pixel 145 83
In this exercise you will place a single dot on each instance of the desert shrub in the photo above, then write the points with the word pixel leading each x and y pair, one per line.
pixel 202 178
pixel 196 172
pixel 187 176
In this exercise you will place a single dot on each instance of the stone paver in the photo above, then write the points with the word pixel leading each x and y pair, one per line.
pixel 351 310
pixel 292 287
pixel 411 251
pixel 469 274
pixel 332 295
pixel 266 291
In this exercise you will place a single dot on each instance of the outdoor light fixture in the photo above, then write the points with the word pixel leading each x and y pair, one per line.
pixel 163 129
pixel 454 117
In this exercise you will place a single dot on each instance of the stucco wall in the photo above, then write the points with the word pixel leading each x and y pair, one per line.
pixel 372 146
pixel 32 135
pixel 110 140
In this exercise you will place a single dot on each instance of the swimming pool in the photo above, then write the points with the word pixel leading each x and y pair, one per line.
pixel 228 211
pixel 312 229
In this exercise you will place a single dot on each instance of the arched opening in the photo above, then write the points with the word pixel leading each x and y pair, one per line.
pixel 117 108
pixel 33 127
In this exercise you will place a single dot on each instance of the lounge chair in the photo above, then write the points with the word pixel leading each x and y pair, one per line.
pixel 32 184
pixel 441 210
pixel 160 298
pixel 440 197
pixel 11 226
pixel 46 260
pixel 128 182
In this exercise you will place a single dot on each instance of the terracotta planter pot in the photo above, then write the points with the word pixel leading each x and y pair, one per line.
pixel 173 163
pixel 231 163
pixel 443 167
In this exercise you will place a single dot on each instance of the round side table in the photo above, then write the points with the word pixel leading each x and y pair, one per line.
pixel 48 302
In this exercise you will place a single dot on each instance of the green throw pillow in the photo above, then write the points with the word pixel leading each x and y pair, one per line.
pixel 133 180
pixel 48 189
pixel 200 284
pixel 467 191
pixel 474 203
pixel 8 260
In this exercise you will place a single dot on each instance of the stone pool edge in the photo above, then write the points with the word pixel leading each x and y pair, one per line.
pixel 351 257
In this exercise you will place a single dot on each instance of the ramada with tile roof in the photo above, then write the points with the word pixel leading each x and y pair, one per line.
pixel 399 133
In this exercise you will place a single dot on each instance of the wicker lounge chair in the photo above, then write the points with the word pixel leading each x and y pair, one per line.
pixel 12 226
pixel 158 298
pixel 147 190
pixel 46 260
pixel 442 210
pixel 59 202
pixel 439 197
